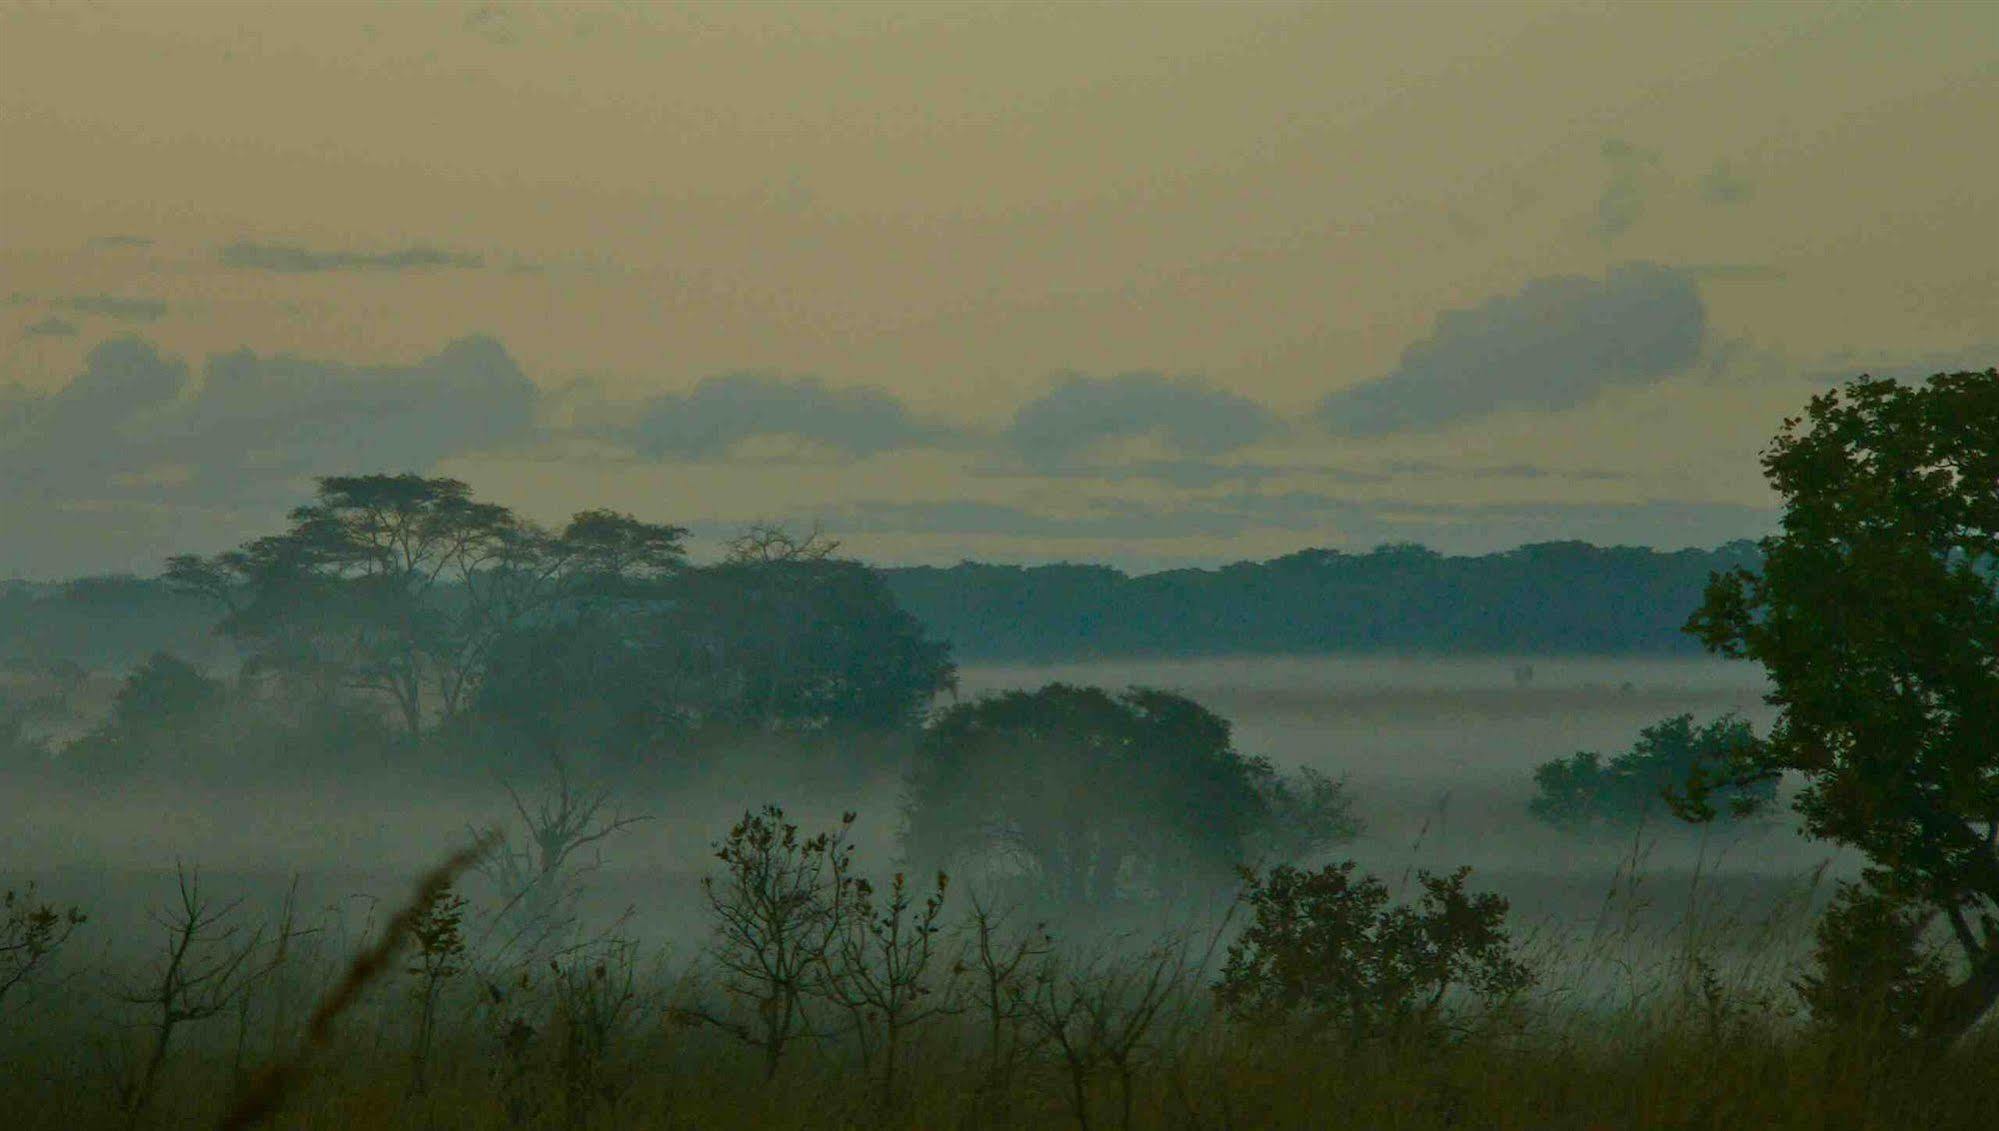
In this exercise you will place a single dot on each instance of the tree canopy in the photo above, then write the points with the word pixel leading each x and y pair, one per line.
pixel 1587 793
pixel 401 585
pixel 1876 615
pixel 1095 798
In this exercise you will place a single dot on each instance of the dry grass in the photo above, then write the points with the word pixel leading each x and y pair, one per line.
pixel 1626 1032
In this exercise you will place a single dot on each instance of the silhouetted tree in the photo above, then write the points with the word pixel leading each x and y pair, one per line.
pixel 1587 793
pixel 166 711
pixel 1094 797
pixel 780 638
pixel 401 585
pixel 797 643
pixel 1329 950
pixel 1876 615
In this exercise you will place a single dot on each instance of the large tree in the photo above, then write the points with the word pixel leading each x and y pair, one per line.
pixel 1876 615
pixel 779 637
pixel 401 585
pixel 1094 798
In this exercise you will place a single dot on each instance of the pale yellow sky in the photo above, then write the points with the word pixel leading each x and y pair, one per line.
pixel 955 204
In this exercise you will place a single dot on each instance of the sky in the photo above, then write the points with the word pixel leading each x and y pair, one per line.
pixel 1152 285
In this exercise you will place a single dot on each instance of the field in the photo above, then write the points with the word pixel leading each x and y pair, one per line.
pixel 1663 962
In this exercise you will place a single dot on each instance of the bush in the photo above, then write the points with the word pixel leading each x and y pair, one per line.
pixel 1326 950
pixel 1584 793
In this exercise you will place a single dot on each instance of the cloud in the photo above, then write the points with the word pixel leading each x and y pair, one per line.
pixel 1733 272
pixel 1723 185
pixel 1083 413
pixel 1622 201
pixel 723 412
pixel 118 242
pixel 293 259
pixel 132 427
pixel 301 416
pixel 1554 344
pixel 113 306
pixel 50 327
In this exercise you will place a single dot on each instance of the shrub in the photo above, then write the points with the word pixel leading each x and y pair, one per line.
pixel 1325 949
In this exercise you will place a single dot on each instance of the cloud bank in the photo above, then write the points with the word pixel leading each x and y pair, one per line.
pixel 723 412
pixel 1189 415
pixel 294 259
pixel 134 425
pixel 1555 344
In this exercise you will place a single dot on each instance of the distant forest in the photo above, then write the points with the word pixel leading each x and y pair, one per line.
pixel 1551 597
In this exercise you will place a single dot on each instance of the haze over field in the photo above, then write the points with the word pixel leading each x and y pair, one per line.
pixel 586 564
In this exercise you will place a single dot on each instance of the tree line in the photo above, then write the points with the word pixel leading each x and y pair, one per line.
pixel 1554 597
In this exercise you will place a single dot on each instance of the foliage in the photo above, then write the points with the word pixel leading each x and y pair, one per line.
pixel 780 908
pixel 437 937
pixel 1876 616
pixel 1585 793
pixel 1549 598
pixel 165 706
pixel 795 643
pixel 1092 798
pixel 31 934
pixel 781 638
pixel 399 585
pixel 1327 950
pixel 1875 967
pixel 878 970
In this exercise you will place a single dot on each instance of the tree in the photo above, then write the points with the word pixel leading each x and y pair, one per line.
pixel 1584 793
pixel 31 932
pixel 780 637
pixel 1327 950
pixel 400 585
pixel 780 909
pixel 1876 616
pixel 796 642
pixel 165 707
pixel 1094 798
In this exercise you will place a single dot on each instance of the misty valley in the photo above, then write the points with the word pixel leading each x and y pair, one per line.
pixel 746 833
pixel 953 565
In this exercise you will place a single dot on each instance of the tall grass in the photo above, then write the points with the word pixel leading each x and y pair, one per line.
pixel 1630 1026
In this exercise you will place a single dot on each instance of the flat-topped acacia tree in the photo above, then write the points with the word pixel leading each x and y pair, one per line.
pixel 401 584
pixel 1876 615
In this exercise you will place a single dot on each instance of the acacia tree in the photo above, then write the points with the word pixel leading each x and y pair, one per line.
pixel 401 585
pixel 1876 615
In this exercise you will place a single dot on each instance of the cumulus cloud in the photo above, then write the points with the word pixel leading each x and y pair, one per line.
pixel 294 259
pixel 1187 414
pixel 311 417
pixel 134 426
pixel 1554 344
pixel 722 412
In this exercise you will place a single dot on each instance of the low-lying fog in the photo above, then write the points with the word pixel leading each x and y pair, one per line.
pixel 1438 753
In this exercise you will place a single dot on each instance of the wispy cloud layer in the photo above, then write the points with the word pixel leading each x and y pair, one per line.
pixel 295 259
